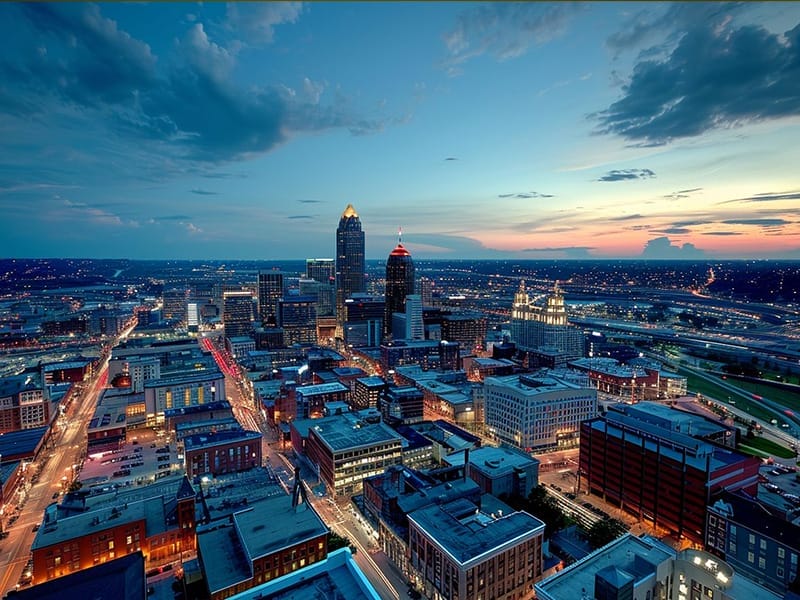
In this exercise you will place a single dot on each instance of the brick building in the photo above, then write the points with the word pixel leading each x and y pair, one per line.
pixel 221 452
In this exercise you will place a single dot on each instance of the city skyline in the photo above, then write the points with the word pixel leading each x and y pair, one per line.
pixel 530 131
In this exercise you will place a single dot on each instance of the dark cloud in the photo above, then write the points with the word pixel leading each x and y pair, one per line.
pixel 661 248
pixel 300 217
pixel 451 158
pixel 690 223
pixel 673 230
pixel 767 197
pixel 714 78
pixel 567 251
pixel 682 194
pixel 309 201
pixel 505 30
pixel 95 63
pixel 626 218
pixel 641 27
pixel 204 192
pixel 189 105
pixel 525 195
pixel 722 233
pixel 758 222
pixel 627 174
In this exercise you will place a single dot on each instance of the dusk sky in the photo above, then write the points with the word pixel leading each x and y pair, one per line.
pixel 534 130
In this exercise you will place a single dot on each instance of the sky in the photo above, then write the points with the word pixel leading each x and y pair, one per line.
pixel 500 130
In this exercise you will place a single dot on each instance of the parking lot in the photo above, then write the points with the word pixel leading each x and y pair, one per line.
pixel 147 455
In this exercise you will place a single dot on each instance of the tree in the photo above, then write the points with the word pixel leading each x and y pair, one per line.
pixel 336 541
pixel 544 507
pixel 605 531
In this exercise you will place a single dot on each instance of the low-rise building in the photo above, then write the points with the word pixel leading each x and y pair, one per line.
pixel 499 471
pixel 757 540
pixel 265 541
pixel 345 450
pixel 642 568
pixel 23 403
pixel 160 527
pixel 459 551
pixel 311 399
pixel 535 412
pixel 221 452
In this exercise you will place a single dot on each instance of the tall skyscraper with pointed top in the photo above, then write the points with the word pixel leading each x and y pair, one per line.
pixel 399 282
pixel 349 261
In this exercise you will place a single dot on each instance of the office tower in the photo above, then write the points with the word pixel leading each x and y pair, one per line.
pixel 399 284
pixel 297 315
pixel 174 305
pixel 193 315
pixel 270 290
pixel 415 327
pixel 321 269
pixel 237 313
pixel 349 260
pixel 363 320
pixel 425 289
pixel 466 328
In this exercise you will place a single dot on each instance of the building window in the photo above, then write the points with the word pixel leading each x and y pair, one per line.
pixel 762 564
pixel 750 557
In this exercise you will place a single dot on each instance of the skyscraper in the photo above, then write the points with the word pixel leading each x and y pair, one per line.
pixel 399 283
pixel 323 272
pixel 237 315
pixel 270 290
pixel 349 260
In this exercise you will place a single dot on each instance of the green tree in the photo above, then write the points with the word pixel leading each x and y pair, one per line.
pixel 605 531
pixel 335 541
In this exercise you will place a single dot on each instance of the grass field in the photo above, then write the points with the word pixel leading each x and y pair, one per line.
pixel 784 397
pixel 697 384
pixel 766 448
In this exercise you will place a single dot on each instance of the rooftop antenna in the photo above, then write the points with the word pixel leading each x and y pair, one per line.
pixel 400 235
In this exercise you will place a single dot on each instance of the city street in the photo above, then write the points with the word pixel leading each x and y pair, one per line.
pixel 56 461
pixel 339 518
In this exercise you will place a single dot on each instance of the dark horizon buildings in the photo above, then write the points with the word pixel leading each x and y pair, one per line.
pixel 399 283
pixel 350 273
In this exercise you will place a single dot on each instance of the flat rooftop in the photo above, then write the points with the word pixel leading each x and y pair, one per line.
pixel 322 388
pixel 24 441
pixel 342 434
pixel 635 557
pixel 532 385
pixel 229 548
pixel 197 409
pixel 207 440
pixel 466 534
pixel 337 576
pixel 495 462
pixel 151 511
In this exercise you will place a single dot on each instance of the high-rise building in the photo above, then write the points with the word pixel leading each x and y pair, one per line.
pixel 363 320
pixel 297 315
pixel 349 260
pixel 270 290
pixel 237 313
pixel 321 269
pixel 399 283
pixel 415 326
pixel 323 272
pixel 535 328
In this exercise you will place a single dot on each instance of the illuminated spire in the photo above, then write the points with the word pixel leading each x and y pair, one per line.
pixel 400 235
pixel 349 211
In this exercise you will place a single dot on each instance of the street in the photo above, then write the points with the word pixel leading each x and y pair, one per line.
pixel 339 518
